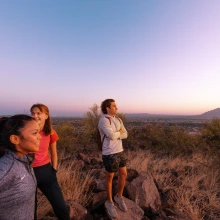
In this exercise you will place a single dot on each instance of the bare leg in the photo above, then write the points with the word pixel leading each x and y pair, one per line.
pixel 109 178
pixel 121 180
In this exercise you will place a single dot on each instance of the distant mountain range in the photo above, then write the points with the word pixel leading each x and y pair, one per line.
pixel 215 113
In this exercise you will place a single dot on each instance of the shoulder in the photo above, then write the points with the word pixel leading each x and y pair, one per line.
pixel 6 163
pixel 117 118
pixel 105 119
pixel 53 132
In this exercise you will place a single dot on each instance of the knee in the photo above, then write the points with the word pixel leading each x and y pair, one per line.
pixel 123 174
pixel 109 177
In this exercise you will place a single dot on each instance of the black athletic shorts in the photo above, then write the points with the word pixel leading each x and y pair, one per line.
pixel 114 161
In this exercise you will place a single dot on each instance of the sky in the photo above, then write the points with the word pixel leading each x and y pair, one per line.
pixel 151 56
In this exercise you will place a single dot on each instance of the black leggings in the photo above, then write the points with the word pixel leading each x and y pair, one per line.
pixel 47 183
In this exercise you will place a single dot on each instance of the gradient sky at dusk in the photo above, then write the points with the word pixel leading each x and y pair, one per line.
pixel 151 56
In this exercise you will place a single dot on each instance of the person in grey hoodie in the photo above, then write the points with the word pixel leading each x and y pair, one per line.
pixel 19 135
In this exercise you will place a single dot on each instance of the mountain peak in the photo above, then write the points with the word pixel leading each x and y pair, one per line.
pixel 212 113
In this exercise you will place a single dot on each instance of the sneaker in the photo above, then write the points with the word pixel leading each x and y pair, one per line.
pixel 121 203
pixel 111 210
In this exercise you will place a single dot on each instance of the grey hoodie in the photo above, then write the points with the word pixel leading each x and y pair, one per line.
pixel 17 188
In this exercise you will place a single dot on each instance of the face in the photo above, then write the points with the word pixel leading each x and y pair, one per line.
pixel 39 116
pixel 112 109
pixel 29 139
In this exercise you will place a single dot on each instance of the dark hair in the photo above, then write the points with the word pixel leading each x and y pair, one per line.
pixel 47 129
pixel 11 126
pixel 105 104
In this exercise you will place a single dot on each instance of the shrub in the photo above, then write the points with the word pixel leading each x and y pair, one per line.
pixel 211 133
pixel 170 140
pixel 90 124
pixel 67 140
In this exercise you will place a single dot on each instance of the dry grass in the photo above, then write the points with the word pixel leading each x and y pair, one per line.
pixel 74 184
pixel 194 181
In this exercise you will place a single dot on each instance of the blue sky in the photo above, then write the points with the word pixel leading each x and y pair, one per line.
pixel 151 56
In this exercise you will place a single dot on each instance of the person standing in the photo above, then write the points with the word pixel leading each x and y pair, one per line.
pixel 112 132
pixel 45 167
pixel 19 135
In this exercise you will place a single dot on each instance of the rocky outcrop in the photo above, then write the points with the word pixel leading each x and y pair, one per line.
pixel 77 212
pixel 141 195
pixel 134 211
pixel 98 200
pixel 144 192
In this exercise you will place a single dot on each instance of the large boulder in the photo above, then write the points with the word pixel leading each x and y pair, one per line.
pixel 99 200
pixel 143 191
pixel 100 185
pixel 134 212
pixel 77 211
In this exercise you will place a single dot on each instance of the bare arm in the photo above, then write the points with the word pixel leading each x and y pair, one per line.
pixel 54 157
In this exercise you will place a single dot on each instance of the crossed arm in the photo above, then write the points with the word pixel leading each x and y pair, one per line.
pixel 110 132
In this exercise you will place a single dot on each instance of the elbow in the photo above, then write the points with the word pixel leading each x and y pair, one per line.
pixel 111 137
pixel 126 135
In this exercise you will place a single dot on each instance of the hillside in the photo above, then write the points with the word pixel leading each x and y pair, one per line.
pixel 215 113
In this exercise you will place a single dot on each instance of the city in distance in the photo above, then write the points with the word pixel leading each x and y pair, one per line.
pixel 215 113
pixel 191 123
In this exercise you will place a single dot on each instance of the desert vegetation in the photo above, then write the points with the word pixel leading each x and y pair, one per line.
pixel 185 167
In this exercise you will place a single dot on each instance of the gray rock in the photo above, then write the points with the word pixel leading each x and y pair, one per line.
pixel 134 211
pixel 143 191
